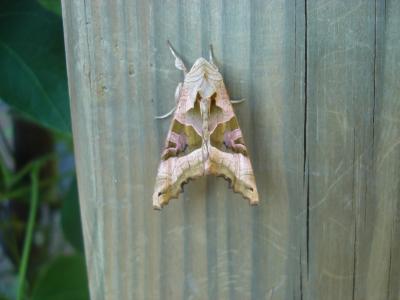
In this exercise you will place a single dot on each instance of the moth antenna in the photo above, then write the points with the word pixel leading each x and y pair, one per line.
pixel 165 115
pixel 178 61
pixel 238 101
pixel 212 55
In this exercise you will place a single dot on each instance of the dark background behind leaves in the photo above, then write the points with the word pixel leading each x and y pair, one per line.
pixel 35 123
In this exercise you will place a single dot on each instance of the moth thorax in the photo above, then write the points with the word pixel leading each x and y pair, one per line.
pixel 205 110
pixel 204 106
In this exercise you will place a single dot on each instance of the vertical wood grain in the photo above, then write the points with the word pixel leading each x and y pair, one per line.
pixel 321 120
pixel 381 216
pixel 340 90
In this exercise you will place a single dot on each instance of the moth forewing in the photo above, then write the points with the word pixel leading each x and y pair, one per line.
pixel 204 137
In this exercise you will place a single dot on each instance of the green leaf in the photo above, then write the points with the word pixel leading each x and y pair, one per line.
pixel 63 279
pixel 32 63
pixel 52 5
pixel 71 218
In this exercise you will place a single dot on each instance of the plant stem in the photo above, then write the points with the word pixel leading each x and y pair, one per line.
pixel 20 192
pixel 29 231
pixel 28 167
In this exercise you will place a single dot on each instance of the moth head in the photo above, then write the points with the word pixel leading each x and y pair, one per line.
pixel 204 79
pixel 203 69
pixel 202 63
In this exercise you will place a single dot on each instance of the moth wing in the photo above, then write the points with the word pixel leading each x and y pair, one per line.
pixel 229 155
pixel 181 158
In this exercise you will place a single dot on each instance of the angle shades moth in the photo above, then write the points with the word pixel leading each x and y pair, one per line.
pixel 204 137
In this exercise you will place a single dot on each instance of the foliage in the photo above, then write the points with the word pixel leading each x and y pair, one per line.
pixel 52 5
pixel 33 64
pixel 63 279
pixel 34 84
pixel 71 219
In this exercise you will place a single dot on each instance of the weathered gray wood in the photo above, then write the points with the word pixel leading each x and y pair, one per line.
pixel 322 122
pixel 351 216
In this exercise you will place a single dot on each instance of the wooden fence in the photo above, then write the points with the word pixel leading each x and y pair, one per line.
pixel 322 122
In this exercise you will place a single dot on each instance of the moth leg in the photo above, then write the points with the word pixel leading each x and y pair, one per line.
pixel 165 115
pixel 178 91
pixel 180 142
pixel 230 138
pixel 177 96
pixel 238 101
pixel 178 61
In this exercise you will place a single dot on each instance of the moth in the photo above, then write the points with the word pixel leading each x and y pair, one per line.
pixel 204 137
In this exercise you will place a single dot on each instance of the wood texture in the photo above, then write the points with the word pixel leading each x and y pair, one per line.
pixel 322 123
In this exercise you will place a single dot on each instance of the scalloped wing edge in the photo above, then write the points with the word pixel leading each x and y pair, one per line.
pixel 175 172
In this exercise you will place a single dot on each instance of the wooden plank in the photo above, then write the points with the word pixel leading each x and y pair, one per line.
pixel 345 100
pixel 166 26
pixel 218 200
pixel 380 253
pixel 321 121
pixel 340 98
pixel 276 81
pixel 194 199
pixel 235 22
